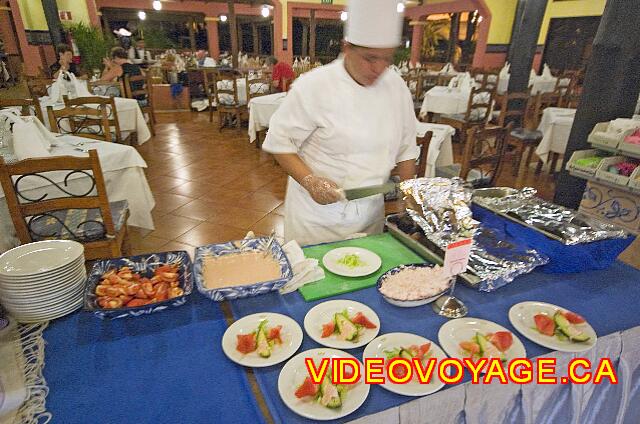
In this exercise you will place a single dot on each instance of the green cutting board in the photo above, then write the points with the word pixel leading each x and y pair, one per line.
pixel 390 250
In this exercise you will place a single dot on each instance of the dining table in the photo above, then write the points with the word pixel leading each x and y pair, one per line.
pixel 260 111
pixel 538 84
pixel 123 171
pixel 130 116
pixel 445 100
pixel 555 126
pixel 117 370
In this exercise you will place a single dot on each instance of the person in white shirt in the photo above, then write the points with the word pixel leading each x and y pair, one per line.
pixel 138 53
pixel 345 125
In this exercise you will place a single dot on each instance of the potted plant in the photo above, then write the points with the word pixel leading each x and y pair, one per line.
pixel 92 44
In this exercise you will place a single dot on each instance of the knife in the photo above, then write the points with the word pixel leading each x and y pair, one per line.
pixel 360 192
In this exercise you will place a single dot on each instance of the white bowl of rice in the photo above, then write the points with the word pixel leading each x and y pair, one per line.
pixel 413 285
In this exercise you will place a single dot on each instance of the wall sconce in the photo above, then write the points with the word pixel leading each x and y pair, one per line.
pixel 157 5
pixel 223 18
pixel 142 15
pixel 344 16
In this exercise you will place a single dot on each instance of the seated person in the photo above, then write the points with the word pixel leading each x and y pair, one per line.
pixel 64 63
pixel 282 74
pixel 118 66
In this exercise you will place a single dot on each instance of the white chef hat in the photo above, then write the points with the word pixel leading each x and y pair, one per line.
pixel 374 23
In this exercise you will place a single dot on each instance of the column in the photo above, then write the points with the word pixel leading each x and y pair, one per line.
pixel 312 35
pixel 417 28
pixel 92 10
pixel 233 27
pixel 50 8
pixel 453 36
pixel 611 86
pixel 524 47
pixel 212 36
pixel 305 40
pixel 192 34
pixel 256 39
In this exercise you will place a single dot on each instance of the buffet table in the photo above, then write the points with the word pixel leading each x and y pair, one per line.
pixel 123 171
pixel 260 111
pixel 175 358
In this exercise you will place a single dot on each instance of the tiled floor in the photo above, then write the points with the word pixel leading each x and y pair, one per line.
pixel 213 186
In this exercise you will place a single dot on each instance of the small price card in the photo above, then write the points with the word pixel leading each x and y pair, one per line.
pixel 456 257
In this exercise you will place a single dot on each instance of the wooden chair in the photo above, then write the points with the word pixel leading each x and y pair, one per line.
pixel 258 86
pixel 477 114
pixel 109 105
pixel 522 138
pixel 115 88
pixel 139 87
pixel 38 86
pixel 423 143
pixel 487 79
pixel 81 121
pixel 571 100
pixel 210 89
pixel 87 217
pixel 543 101
pixel 483 152
pixel 25 105
pixel 228 104
pixel 414 83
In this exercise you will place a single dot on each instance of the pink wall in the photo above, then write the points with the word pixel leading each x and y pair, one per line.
pixel 10 41
pixel 30 54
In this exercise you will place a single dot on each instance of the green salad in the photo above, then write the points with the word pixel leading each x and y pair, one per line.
pixel 351 260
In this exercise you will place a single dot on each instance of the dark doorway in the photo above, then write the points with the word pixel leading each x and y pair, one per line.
pixel 569 41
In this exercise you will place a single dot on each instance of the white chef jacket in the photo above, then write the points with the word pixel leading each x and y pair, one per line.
pixel 351 134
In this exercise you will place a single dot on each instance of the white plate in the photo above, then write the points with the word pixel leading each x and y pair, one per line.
pixel 46 305
pixel 39 257
pixel 323 313
pixel 51 285
pixel 391 341
pixel 372 262
pixel 463 329
pixel 293 375
pixel 521 317
pixel 291 335
pixel 49 298
pixel 40 317
pixel 71 267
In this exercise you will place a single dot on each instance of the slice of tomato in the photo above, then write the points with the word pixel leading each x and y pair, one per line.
pixel 544 324
pixel 360 319
pixel 328 329
pixel 424 349
pixel 573 318
pixel 502 340
pixel 471 347
pixel 274 334
pixel 246 343
pixel 306 389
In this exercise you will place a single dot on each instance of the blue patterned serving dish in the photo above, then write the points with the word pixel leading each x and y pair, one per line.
pixel 144 265
pixel 407 303
pixel 236 247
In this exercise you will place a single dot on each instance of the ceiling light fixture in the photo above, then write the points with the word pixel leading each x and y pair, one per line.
pixel 223 18
pixel 265 11
pixel 142 15
pixel 157 5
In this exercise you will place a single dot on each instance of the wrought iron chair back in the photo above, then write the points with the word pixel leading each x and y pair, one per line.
pixel 26 212
pixel 25 105
pixel 518 116
pixel 543 101
pixel 227 89
pixel 82 121
pixel 210 89
pixel 257 87
pixel 483 151
pixel 107 103
pixel 39 86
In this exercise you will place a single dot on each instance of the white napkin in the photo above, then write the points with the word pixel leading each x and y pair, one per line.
pixel 448 68
pixel 404 68
pixel 532 75
pixel 209 62
pixel 305 270
pixel 546 72
pixel 30 137
pixel 504 72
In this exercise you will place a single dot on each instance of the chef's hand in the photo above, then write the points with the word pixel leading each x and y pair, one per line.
pixel 322 190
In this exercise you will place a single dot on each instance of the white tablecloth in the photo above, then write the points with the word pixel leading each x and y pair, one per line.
pixel 241 83
pixel 534 403
pixel 555 126
pixel 445 100
pixel 539 84
pixel 260 111
pixel 440 148
pixel 130 116
pixel 123 170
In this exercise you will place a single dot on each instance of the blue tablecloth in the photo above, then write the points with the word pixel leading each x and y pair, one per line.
pixel 606 298
pixel 167 367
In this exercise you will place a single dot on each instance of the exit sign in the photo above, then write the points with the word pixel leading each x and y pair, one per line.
pixel 326 1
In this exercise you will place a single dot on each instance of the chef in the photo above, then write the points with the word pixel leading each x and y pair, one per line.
pixel 345 125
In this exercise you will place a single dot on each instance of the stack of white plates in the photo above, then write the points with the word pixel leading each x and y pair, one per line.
pixel 42 281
